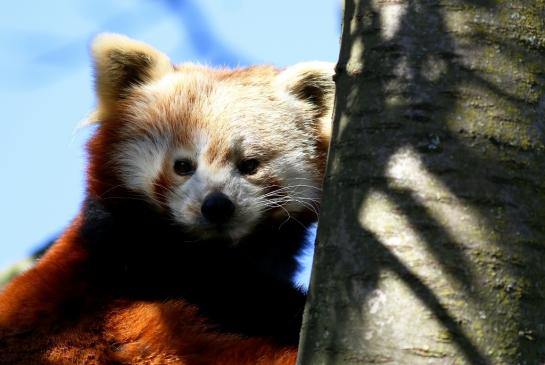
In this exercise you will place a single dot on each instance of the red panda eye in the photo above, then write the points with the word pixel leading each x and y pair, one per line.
pixel 248 166
pixel 184 167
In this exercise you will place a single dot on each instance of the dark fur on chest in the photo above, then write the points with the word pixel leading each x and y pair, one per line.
pixel 135 253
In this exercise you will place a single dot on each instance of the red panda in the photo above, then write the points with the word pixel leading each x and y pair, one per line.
pixel 201 184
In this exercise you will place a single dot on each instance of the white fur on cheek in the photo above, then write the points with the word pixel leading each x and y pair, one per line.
pixel 298 177
pixel 184 203
pixel 140 161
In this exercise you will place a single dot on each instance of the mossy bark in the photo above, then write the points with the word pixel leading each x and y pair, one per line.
pixel 431 241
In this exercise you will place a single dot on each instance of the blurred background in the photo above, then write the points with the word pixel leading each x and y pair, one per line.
pixel 46 85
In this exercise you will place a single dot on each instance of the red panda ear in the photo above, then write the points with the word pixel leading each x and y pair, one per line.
pixel 122 63
pixel 311 82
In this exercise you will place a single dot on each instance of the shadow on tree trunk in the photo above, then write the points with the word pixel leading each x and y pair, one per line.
pixel 422 104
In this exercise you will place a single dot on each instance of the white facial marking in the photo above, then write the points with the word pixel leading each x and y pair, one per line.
pixel 140 161
pixel 301 188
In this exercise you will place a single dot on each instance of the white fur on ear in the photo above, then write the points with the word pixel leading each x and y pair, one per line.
pixel 122 63
pixel 311 82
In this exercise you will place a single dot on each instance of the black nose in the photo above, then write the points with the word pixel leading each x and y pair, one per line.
pixel 217 208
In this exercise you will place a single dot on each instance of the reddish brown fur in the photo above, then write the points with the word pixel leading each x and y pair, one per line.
pixel 160 187
pixel 217 152
pixel 119 332
pixel 36 324
pixel 104 333
pixel 143 333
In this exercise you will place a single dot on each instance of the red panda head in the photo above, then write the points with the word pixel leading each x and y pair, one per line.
pixel 218 151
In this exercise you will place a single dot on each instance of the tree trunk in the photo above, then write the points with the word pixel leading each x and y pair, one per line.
pixel 431 241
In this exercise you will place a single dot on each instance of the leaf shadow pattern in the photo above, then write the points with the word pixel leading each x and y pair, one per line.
pixel 410 89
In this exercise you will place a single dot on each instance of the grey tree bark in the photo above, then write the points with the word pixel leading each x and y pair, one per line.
pixel 431 241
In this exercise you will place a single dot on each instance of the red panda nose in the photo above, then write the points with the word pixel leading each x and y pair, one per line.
pixel 217 208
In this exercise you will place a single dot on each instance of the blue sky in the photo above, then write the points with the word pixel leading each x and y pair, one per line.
pixel 46 83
